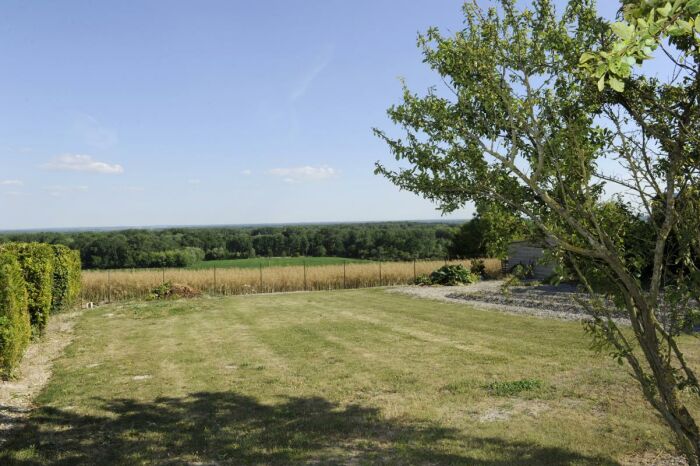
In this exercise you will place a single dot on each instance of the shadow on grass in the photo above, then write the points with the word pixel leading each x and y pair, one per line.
pixel 226 428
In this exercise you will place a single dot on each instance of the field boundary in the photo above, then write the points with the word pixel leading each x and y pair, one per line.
pixel 114 285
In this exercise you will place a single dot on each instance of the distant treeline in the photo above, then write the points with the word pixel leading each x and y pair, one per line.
pixel 180 247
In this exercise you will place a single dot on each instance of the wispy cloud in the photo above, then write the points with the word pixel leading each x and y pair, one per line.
pixel 93 132
pixel 304 174
pixel 58 190
pixel 13 193
pixel 133 189
pixel 246 172
pixel 82 163
pixel 322 60
pixel 11 183
pixel 194 181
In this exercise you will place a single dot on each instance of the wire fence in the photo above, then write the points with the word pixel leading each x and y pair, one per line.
pixel 115 285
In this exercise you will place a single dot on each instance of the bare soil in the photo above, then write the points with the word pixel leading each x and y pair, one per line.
pixel 16 396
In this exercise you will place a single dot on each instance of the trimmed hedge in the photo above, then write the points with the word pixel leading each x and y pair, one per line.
pixel 15 327
pixel 66 277
pixel 37 262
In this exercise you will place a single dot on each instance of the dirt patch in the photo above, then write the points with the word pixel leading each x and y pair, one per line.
pixel 653 459
pixel 531 408
pixel 16 396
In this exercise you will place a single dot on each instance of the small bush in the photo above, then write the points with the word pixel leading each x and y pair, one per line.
pixel 513 388
pixel 15 327
pixel 450 275
pixel 170 290
pixel 423 280
pixel 478 268
pixel 37 263
pixel 66 277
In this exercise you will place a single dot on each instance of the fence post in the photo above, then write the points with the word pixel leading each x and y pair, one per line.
pixel 214 278
pixel 109 286
pixel 344 274
pixel 380 273
pixel 415 277
pixel 304 275
pixel 261 281
pixel 163 275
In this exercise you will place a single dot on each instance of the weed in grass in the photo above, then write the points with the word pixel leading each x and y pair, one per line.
pixel 459 387
pixel 513 388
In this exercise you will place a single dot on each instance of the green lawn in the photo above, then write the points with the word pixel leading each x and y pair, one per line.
pixel 273 262
pixel 343 377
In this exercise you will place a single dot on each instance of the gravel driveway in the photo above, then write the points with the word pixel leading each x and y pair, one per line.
pixel 547 301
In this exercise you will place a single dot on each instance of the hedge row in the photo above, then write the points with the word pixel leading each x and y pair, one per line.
pixel 36 279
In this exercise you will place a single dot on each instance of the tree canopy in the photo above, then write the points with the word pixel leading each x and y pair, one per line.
pixel 606 173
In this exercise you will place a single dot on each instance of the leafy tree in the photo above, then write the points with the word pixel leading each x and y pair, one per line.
pixel 523 126
pixel 469 240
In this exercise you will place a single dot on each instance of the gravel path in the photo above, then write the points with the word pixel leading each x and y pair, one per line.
pixel 552 302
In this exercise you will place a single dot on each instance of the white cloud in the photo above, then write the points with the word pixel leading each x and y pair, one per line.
pixel 303 174
pixel 194 181
pixel 11 183
pixel 246 172
pixel 58 191
pixel 82 163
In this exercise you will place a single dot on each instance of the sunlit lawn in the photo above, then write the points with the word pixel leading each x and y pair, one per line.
pixel 360 377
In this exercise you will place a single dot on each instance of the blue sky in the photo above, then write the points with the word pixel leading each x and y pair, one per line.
pixel 211 112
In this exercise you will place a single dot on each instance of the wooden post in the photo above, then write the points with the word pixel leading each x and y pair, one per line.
pixel 380 273
pixel 304 275
pixel 109 286
pixel 344 274
pixel 164 275
pixel 214 278
pixel 415 277
pixel 261 281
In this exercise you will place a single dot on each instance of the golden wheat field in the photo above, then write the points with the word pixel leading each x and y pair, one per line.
pixel 113 285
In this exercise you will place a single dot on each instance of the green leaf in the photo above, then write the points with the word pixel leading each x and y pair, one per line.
pixel 665 10
pixel 616 84
pixel 693 7
pixel 622 30
pixel 601 83
pixel 588 56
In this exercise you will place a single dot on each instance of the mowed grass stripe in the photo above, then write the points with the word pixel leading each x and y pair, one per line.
pixel 358 376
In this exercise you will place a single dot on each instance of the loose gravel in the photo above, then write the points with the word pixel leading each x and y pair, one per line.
pixel 546 301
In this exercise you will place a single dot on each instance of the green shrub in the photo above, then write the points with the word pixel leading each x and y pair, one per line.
pixel 423 280
pixel 451 275
pixel 66 277
pixel 37 263
pixel 478 268
pixel 15 328
pixel 161 291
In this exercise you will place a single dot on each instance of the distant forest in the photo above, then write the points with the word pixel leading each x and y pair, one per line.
pixel 180 247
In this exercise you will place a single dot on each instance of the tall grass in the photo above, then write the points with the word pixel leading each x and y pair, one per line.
pixel 114 285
